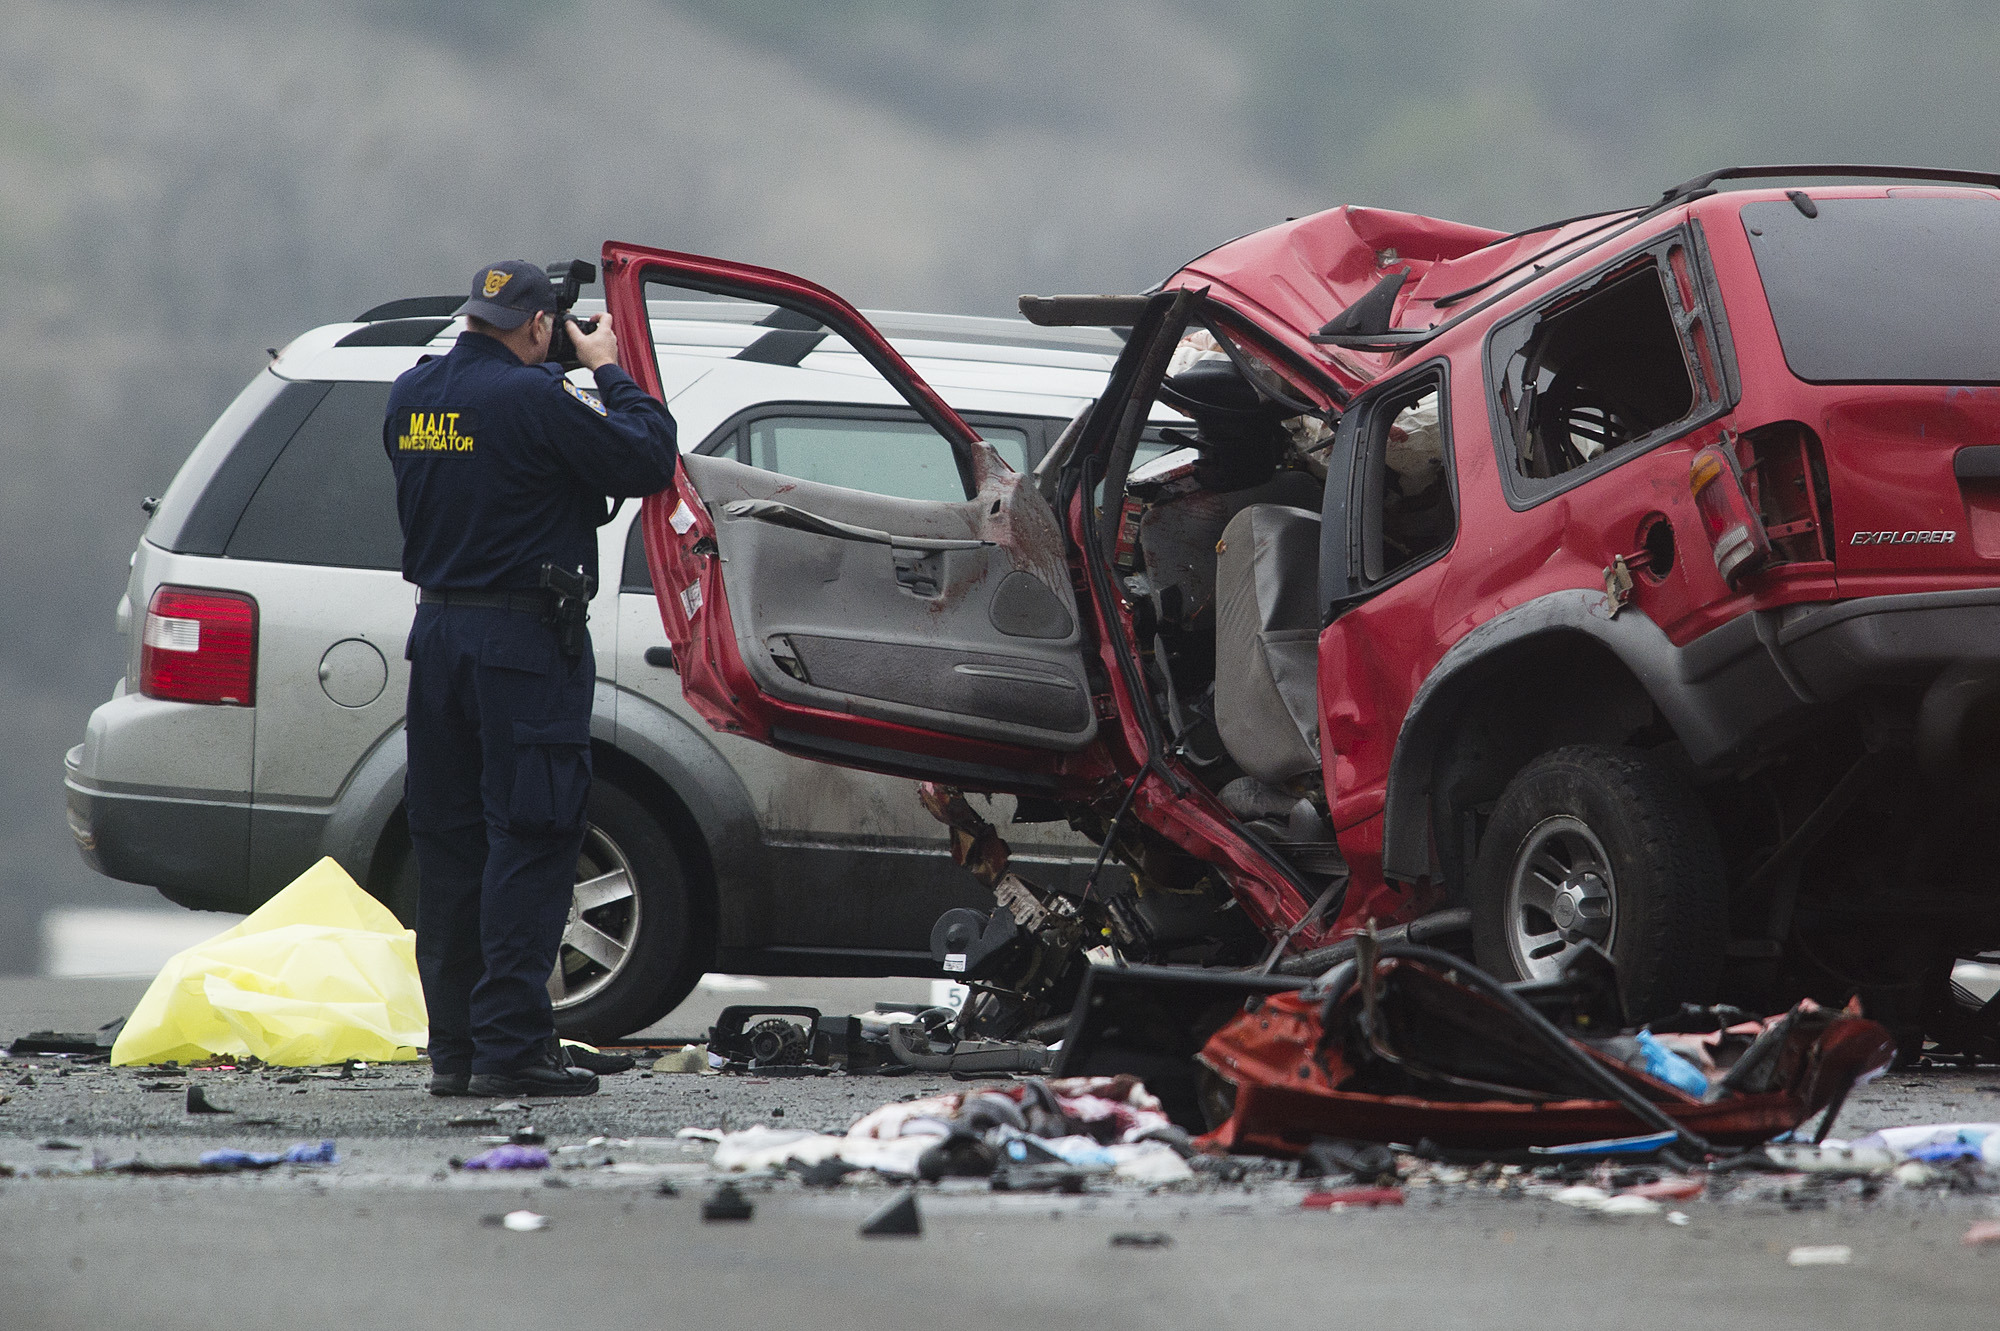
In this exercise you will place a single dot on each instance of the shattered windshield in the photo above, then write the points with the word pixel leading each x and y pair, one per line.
pixel 1904 289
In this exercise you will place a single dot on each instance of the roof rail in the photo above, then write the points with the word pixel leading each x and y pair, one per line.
pixel 1083 311
pixel 413 307
pixel 395 333
pixel 1704 184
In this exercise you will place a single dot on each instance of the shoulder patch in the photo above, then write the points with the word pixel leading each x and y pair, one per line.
pixel 588 399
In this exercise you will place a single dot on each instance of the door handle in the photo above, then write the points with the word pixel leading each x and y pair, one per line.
pixel 917 571
pixel 1980 462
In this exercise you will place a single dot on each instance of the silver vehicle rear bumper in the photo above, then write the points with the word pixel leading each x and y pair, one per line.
pixel 195 851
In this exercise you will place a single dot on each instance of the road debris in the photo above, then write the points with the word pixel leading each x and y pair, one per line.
pixel 90 1044
pixel 305 1153
pixel 692 1058
pixel 517 1222
pixel 1934 1143
pixel 1041 1131
pixel 509 1157
pixel 1582 1196
pixel 1626 1203
pixel 1669 1189
pixel 1142 1239
pixel 899 1219
pixel 1339 1199
pixel 1825 1254
pixel 320 973
pixel 199 1103
pixel 727 1203
pixel 1835 1157
pixel 592 1059
pixel 1387 1046
pixel 1982 1232
pixel 1336 1157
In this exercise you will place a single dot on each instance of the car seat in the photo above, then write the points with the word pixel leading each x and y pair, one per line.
pixel 1267 641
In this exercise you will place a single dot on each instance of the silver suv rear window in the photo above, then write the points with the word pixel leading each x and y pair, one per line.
pixel 1903 289
pixel 200 508
pixel 330 497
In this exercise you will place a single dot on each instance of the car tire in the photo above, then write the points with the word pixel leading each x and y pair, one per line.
pixel 1607 845
pixel 662 953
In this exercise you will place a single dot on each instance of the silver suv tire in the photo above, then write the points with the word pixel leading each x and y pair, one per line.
pixel 645 908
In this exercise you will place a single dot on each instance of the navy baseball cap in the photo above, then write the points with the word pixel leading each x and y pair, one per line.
pixel 507 293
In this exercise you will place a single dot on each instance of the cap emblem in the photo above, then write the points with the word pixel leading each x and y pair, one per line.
pixel 495 279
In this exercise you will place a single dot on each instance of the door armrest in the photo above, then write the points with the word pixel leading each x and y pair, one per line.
pixel 784 515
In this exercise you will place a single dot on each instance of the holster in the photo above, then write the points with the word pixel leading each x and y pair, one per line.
pixel 571 615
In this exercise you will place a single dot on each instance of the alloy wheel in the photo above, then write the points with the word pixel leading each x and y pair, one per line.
pixel 1560 895
pixel 603 922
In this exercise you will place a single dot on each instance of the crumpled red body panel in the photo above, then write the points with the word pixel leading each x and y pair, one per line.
pixel 1286 1095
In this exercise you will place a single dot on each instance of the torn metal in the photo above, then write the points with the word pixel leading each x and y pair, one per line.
pixel 1407 1044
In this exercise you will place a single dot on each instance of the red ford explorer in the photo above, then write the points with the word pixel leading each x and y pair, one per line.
pixel 1632 580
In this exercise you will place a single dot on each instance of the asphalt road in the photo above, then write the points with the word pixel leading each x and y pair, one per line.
pixel 392 1233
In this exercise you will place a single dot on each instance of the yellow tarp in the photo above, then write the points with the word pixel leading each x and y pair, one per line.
pixel 320 973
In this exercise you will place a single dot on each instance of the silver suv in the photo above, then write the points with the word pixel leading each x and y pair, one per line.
pixel 259 724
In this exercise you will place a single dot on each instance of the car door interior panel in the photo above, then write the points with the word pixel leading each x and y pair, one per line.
pixel 943 615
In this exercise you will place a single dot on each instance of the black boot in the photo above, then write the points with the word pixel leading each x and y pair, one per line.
pixel 545 1071
pixel 449 1083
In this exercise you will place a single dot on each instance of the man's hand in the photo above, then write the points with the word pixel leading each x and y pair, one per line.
pixel 595 349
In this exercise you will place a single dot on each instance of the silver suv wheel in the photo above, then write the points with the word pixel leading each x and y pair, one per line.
pixel 1560 895
pixel 603 923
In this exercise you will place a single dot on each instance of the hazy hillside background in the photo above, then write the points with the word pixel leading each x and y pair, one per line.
pixel 185 184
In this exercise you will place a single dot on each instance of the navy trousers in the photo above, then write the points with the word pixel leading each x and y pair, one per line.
pixel 499 772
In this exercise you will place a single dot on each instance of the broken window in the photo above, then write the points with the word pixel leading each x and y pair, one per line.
pixel 1407 510
pixel 1601 369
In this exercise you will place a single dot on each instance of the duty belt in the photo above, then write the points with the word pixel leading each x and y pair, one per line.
pixel 527 602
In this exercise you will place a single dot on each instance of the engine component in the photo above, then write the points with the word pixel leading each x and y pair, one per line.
pixel 973 945
pixel 777 1043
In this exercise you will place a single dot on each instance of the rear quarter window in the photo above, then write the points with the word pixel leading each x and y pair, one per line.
pixel 330 496
pixel 1623 361
pixel 1903 289
pixel 201 507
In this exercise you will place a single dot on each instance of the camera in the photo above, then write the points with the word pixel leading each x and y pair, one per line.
pixel 569 277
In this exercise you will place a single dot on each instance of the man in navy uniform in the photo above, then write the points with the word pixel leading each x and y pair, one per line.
pixel 503 467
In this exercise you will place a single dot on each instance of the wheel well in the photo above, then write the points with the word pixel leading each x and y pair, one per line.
pixel 645 785
pixel 386 879
pixel 1527 698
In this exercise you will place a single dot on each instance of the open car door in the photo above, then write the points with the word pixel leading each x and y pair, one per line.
pixel 936 638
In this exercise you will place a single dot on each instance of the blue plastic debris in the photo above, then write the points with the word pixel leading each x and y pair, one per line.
pixel 1941 1152
pixel 1642 1145
pixel 510 1157
pixel 305 1153
pixel 1671 1068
